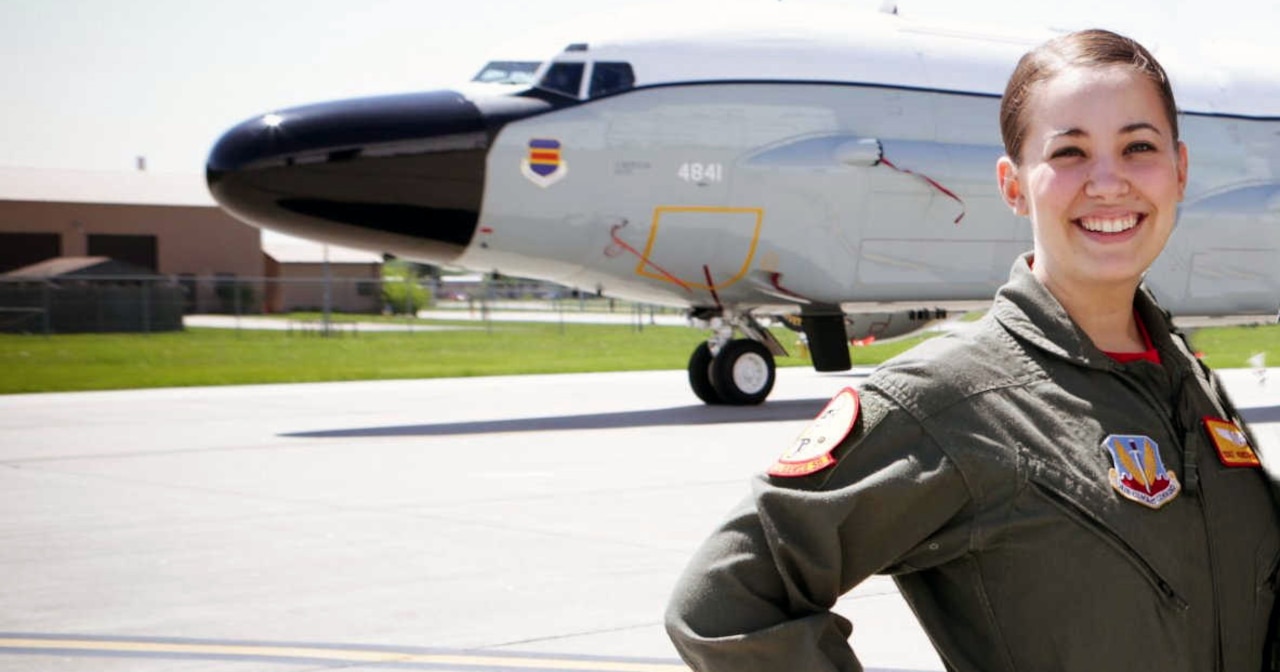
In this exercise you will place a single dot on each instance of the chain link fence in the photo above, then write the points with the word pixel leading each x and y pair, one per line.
pixel 159 303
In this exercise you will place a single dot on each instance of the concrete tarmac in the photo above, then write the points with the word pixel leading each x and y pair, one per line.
pixel 511 523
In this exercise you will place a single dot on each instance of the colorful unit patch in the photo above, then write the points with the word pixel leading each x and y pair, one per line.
pixel 812 450
pixel 1139 472
pixel 544 166
pixel 1233 446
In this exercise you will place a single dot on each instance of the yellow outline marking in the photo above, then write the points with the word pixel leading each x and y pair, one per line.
pixel 653 237
pixel 347 655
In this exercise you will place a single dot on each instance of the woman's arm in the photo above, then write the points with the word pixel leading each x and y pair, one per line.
pixel 757 595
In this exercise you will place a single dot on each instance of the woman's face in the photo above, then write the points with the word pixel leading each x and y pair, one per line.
pixel 1100 177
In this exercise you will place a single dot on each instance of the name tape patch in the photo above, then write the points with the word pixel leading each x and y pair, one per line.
pixel 1231 443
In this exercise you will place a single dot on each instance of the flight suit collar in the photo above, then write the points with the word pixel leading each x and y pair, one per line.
pixel 1030 312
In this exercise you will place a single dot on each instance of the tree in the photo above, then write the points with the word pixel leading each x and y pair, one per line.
pixel 401 291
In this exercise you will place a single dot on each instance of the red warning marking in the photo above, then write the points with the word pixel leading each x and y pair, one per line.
pixel 620 244
pixel 712 286
pixel 775 279
pixel 931 183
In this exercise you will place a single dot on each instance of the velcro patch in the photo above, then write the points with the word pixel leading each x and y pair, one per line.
pixel 1232 444
pixel 811 451
pixel 1139 474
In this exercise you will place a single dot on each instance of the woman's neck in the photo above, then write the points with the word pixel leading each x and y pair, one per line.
pixel 1104 312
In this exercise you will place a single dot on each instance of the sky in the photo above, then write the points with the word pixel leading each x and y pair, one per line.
pixel 93 84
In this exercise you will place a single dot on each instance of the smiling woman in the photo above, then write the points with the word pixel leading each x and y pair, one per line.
pixel 1091 132
pixel 1023 481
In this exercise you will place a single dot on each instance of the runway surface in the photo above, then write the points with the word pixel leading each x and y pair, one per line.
pixel 516 523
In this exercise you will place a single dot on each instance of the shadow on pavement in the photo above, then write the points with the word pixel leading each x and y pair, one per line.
pixel 773 411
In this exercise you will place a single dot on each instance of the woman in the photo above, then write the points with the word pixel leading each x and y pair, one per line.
pixel 1064 487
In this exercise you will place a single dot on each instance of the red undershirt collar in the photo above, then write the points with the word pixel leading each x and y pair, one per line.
pixel 1150 354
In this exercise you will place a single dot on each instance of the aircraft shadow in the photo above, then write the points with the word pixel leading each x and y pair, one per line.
pixel 773 411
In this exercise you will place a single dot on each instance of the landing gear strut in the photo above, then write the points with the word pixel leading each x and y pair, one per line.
pixel 735 372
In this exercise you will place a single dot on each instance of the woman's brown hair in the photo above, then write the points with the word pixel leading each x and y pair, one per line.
pixel 1085 48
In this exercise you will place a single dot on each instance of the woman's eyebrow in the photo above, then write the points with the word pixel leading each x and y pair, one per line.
pixel 1127 128
pixel 1138 126
pixel 1068 133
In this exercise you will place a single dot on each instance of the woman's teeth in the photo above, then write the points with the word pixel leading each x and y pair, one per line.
pixel 1109 224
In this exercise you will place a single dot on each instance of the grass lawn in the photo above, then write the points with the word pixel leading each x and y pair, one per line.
pixel 1231 347
pixel 230 357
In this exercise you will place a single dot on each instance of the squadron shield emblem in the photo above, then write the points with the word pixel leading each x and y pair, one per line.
pixel 544 166
pixel 1138 473
pixel 811 451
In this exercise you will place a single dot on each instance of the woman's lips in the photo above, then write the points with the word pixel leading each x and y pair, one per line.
pixel 1110 223
pixel 1111 228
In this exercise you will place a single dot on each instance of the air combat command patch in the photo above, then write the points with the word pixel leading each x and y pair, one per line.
pixel 1138 472
pixel 811 451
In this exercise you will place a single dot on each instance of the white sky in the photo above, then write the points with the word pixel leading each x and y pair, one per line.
pixel 91 84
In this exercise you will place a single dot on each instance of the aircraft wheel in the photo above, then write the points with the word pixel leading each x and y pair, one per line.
pixel 700 375
pixel 743 373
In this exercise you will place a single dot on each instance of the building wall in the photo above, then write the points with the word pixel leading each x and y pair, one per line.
pixel 190 239
pixel 354 288
pixel 194 243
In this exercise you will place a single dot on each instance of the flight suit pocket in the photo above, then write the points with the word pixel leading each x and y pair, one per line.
pixel 1099 528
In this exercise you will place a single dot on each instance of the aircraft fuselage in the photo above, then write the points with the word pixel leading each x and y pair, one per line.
pixel 818 169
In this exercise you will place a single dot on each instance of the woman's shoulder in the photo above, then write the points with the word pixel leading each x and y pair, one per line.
pixel 976 359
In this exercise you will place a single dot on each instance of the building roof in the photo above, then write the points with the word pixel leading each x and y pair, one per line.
pixel 64 267
pixel 160 189
pixel 101 186
pixel 290 250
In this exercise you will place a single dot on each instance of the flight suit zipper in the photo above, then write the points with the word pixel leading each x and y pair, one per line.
pixel 1091 522
pixel 1190 379
pixel 1175 430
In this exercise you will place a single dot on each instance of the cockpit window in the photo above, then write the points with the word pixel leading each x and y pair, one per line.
pixel 611 77
pixel 507 72
pixel 563 78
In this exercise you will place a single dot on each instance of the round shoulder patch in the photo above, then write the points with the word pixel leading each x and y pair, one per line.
pixel 811 451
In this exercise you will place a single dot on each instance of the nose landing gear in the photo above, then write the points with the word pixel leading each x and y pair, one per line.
pixel 735 372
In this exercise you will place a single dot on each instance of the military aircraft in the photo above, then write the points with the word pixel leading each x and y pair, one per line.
pixel 837 171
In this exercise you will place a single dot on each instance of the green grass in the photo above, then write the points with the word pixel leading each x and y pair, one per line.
pixel 1231 347
pixel 229 357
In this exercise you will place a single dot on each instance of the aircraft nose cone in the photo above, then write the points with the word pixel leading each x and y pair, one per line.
pixel 402 172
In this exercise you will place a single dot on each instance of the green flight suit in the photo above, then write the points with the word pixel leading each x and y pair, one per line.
pixel 976 475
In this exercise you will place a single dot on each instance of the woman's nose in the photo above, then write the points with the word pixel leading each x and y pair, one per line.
pixel 1107 177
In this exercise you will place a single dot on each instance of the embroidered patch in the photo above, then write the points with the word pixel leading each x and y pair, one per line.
pixel 811 451
pixel 1233 446
pixel 1139 472
pixel 544 166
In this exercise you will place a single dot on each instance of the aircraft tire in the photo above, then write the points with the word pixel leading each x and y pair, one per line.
pixel 700 375
pixel 743 373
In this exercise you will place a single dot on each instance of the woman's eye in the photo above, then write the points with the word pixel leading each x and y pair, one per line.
pixel 1065 152
pixel 1139 147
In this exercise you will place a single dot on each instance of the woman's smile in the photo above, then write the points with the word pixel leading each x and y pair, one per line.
pixel 1110 224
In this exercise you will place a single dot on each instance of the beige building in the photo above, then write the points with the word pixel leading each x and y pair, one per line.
pixel 305 275
pixel 170 225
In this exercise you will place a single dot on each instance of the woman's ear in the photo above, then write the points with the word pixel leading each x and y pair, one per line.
pixel 1182 169
pixel 1007 177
